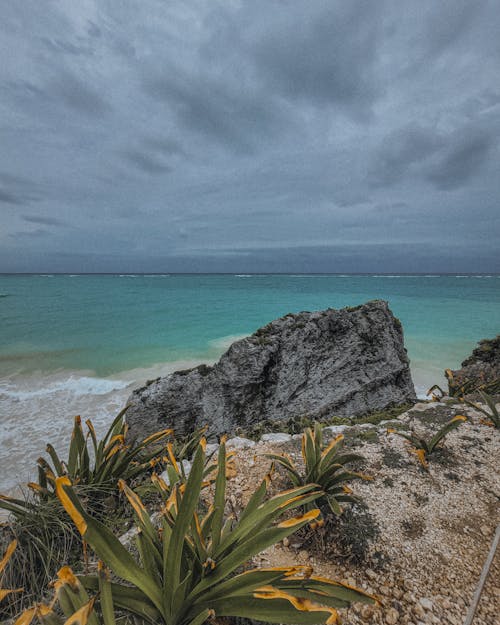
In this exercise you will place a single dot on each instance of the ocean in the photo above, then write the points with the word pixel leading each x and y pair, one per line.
pixel 78 344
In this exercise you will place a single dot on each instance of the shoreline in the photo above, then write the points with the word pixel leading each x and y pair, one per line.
pixel 38 408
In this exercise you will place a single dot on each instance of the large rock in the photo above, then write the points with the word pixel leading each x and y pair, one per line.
pixel 480 370
pixel 319 364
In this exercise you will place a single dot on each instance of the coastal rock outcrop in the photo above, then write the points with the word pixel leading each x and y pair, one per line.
pixel 480 369
pixel 315 364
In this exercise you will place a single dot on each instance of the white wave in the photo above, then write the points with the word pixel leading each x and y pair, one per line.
pixel 74 385
pixel 225 342
pixel 243 275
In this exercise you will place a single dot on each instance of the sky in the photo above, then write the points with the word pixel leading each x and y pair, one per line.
pixel 256 136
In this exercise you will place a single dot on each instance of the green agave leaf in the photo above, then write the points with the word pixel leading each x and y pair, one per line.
pixel 219 498
pixel 324 591
pixel 106 545
pixel 127 598
pixel 446 429
pixel 172 563
pixel 267 610
pixel 106 597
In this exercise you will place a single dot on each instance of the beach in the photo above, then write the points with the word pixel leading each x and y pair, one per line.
pixel 79 344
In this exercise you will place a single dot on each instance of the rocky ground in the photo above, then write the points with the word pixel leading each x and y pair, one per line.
pixel 421 538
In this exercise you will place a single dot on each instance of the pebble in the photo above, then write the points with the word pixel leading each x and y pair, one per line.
pixel 333 430
pixel 211 448
pixel 239 443
pixel 367 611
pixel 419 611
pixel 392 616
pixel 426 603
pixel 485 530
pixel 276 437
pixel 186 465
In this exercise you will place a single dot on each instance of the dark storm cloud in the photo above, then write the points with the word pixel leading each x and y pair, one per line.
pixel 462 161
pixel 17 190
pixel 250 136
pixel 220 111
pixel 447 161
pixel 46 221
pixel 325 57
pixel 146 162
pixel 78 95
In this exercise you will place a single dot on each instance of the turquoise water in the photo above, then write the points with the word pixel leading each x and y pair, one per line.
pixel 80 343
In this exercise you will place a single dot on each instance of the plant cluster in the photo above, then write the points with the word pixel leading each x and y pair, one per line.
pixel 100 465
pixel 492 415
pixel 424 447
pixel 324 465
pixel 45 534
pixel 191 568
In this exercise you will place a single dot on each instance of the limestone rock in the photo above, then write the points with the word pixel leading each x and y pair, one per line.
pixel 319 364
pixel 238 442
pixel 482 367
pixel 276 437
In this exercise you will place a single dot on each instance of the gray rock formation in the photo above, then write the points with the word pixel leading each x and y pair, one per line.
pixel 315 364
pixel 480 370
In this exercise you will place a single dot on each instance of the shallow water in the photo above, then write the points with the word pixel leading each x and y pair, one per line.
pixel 79 344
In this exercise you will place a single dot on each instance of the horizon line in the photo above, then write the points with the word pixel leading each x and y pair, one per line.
pixel 239 274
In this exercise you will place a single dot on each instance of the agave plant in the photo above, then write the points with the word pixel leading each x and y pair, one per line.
pixel 4 592
pixel 425 447
pixel 101 466
pixel 493 416
pixel 324 465
pixel 190 569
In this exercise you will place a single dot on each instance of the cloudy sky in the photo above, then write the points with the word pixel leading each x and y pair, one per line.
pixel 258 135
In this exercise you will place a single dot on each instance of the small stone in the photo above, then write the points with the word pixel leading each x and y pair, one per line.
pixel 286 542
pixel 276 437
pixel 211 448
pixel 385 590
pixel 426 603
pixel 370 574
pixel 303 554
pixel 239 442
pixel 186 465
pixel 333 430
pixel 392 616
pixel 409 597
pixel 420 407
pixel 366 611
pixel 485 530
pixel 397 593
pixel 419 610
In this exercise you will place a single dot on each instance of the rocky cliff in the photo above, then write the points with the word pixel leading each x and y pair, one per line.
pixel 319 364
pixel 480 370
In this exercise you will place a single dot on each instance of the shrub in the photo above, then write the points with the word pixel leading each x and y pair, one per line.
pixel 4 592
pixel 425 447
pixel 190 568
pixel 492 417
pixel 45 534
pixel 323 466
